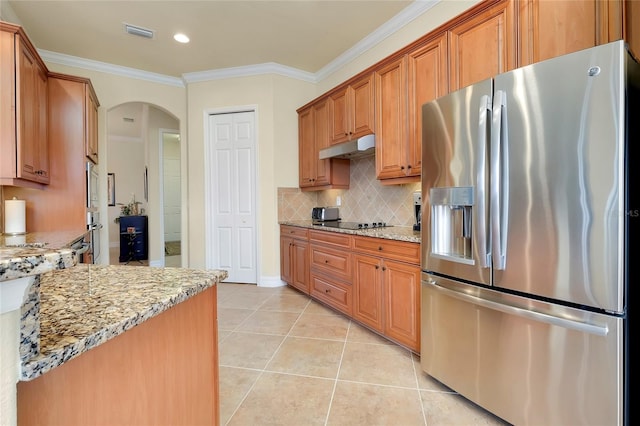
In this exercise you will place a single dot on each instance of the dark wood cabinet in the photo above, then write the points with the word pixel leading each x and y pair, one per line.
pixel 133 238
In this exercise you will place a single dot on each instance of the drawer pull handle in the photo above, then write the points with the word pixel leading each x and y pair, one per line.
pixel 327 290
pixel 326 261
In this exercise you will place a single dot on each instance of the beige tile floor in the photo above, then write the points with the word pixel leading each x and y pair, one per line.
pixel 288 360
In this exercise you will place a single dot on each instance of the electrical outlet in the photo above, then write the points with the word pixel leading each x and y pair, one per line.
pixel 417 198
pixel 338 200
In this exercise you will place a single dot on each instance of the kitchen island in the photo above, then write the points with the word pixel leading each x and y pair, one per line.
pixel 115 344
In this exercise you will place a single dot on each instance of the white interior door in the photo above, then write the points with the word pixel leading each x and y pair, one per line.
pixel 232 170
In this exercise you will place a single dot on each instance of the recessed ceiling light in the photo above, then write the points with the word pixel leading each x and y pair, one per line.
pixel 181 38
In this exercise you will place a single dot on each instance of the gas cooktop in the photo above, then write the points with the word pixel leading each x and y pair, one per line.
pixel 351 225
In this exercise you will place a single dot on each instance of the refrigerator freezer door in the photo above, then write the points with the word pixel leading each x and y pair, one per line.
pixel 565 123
pixel 455 132
pixel 528 362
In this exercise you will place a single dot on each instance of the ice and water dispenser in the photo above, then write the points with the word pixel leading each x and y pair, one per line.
pixel 451 213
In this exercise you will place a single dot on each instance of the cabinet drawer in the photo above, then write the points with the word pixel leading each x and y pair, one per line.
pixel 389 249
pixel 332 292
pixel 331 238
pixel 333 261
pixel 294 232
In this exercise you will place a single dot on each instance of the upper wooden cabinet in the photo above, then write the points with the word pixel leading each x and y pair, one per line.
pixel 554 28
pixel 23 106
pixel 402 87
pixel 91 122
pixel 427 80
pixel 313 135
pixel 391 121
pixel 352 110
pixel 483 45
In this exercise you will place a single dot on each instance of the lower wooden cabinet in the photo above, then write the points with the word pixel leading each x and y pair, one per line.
pixel 331 269
pixel 372 280
pixel 387 288
pixel 294 257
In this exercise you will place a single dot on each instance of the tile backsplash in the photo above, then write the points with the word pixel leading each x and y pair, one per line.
pixel 366 200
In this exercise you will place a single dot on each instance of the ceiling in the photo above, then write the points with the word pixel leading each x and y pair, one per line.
pixel 305 35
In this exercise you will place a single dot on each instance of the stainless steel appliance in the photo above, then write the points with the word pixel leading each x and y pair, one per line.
pixel 417 210
pixel 350 225
pixel 325 213
pixel 93 215
pixel 527 238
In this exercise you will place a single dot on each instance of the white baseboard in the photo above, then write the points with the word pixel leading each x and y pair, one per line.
pixel 271 282
pixel 156 263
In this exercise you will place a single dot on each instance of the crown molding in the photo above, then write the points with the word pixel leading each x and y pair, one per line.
pixel 407 15
pixel 89 64
pixel 250 70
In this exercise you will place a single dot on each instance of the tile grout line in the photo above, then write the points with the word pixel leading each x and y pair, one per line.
pixel 263 370
pixel 415 375
pixel 335 383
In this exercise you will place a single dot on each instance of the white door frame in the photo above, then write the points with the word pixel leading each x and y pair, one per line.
pixel 209 227
pixel 161 132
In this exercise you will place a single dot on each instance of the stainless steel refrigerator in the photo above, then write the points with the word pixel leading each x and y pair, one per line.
pixel 527 238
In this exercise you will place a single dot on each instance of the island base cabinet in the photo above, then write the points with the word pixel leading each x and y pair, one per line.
pixel 161 372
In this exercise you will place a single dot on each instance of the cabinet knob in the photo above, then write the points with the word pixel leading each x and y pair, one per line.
pixel 377 266
pixel 327 290
pixel 401 167
pixel 384 268
pixel 380 248
pixel 409 166
pixel 326 261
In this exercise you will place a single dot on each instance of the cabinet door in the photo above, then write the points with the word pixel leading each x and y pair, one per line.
pixel 300 267
pixel 362 107
pixel 402 299
pixel 286 260
pixel 427 80
pixel 367 291
pixel 554 28
pixel 321 141
pixel 91 114
pixel 391 120
pixel 31 115
pixel 483 46
pixel 306 134
pixel 339 124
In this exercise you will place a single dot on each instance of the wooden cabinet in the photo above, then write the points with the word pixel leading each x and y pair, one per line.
pixel 483 45
pixel 91 122
pixel 133 238
pixel 402 87
pixel 391 121
pixel 23 106
pixel 427 79
pixel 331 275
pixel 554 28
pixel 313 135
pixel 294 257
pixel 387 288
pixel 352 110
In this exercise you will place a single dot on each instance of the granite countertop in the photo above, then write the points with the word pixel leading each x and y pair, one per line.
pixel 86 305
pixel 399 233
pixel 37 252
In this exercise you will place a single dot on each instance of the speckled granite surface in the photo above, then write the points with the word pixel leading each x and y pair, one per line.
pixel 400 233
pixel 84 306
pixel 36 253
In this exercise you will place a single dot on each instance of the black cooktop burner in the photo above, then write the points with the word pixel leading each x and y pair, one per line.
pixel 351 225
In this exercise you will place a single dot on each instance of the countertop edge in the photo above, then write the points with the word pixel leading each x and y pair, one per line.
pixel 397 233
pixel 41 364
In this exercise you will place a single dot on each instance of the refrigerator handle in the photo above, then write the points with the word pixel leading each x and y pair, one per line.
pixel 499 180
pixel 584 327
pixel 481 183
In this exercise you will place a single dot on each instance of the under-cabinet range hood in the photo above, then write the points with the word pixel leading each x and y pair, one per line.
pixel 356 148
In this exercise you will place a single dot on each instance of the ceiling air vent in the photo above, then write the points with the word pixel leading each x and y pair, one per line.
pixel 138 31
